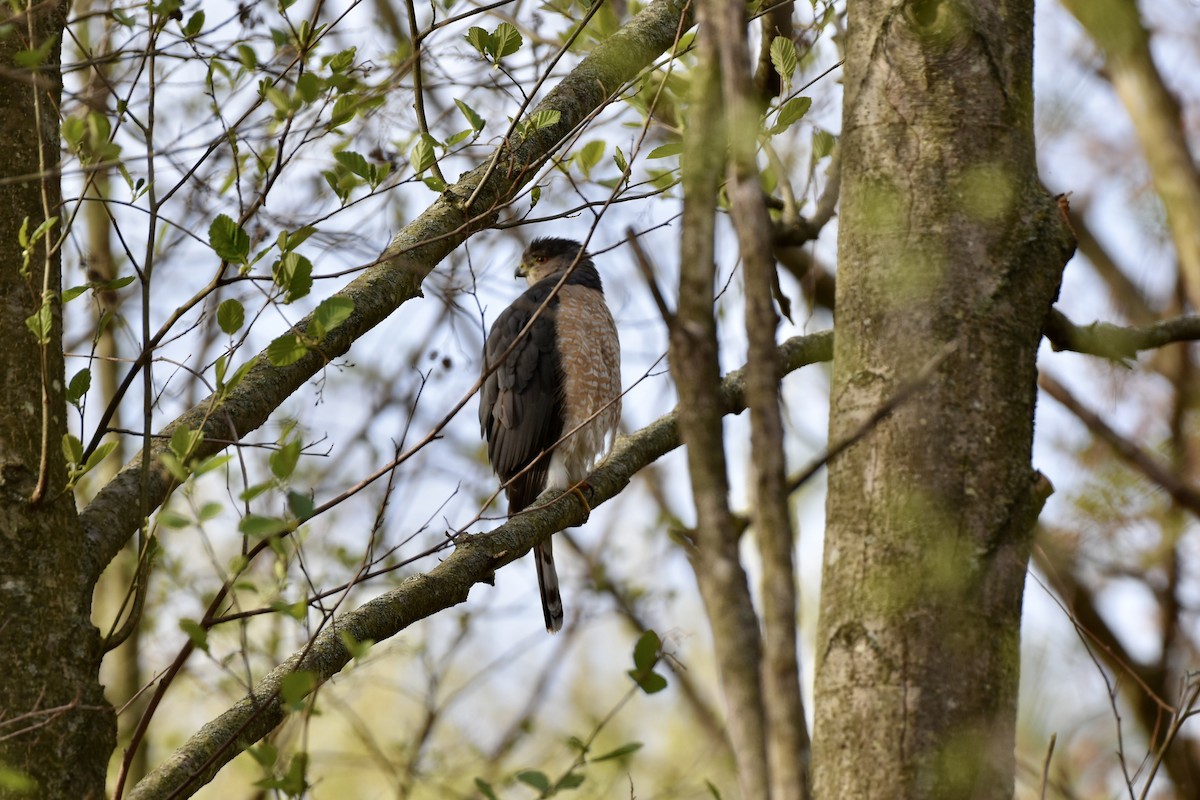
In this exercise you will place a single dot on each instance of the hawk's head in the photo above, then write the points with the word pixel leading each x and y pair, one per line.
pixel 549 256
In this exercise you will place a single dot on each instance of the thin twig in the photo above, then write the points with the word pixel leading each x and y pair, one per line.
pixel 1046 765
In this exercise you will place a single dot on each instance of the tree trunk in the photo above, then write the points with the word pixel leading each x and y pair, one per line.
pixel 950 255
pixel 56 730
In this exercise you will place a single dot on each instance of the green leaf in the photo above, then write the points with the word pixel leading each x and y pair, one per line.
pixel 293 782
pixel 227 238
pixel 822 143
pixel 343 60
pixel 712 790
pixel 73 129
pixel 297 610
pixel 543 119
pixel 210 511
pixel 461 136
pixel 72 448
pixel 296 238
pixel 211 463
pixel 193 26
pixel 287 349
pixel 308 87
pixel 33 58
pixel 537 780
pixel 790 112
pixel 99 454
pixel 422 155
pixel 589 156
pixel 265 753
pixel 478 38
pixel 355 648
pixel 645 652
pixel 621 162
pixel 344 109
pixel 70 294
pixel 41 322
pixel 504 41
pixel 258 527
pixel 354 162
pixel 278 98
pixel 196 632
pixel 184 442
pixel 623 750
pixel 645 656
pixel 231 316
pixel 283 461
pixel 650 683
pixel 666 150
pixel 254 491
pixel 295 686
pixel 78 387
pixel 293 274
pixel 572 780
pixel 473 119
pixel 247 56
pixel 178 471
pixel 331 313
pixel 301 505
pixel 485 789
pixel 535 194
pixel 173 519
pixel 114 284
pixel 783 57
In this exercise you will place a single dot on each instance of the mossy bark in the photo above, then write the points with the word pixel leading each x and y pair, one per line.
pixel 948 244
pixel 56 729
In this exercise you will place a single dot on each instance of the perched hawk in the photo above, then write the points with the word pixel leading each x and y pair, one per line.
pixel 560 381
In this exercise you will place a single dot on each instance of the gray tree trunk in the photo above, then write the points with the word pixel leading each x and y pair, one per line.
pixel 55 726
pixel 950 255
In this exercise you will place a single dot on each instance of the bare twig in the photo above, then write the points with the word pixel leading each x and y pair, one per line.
pixel 1046 765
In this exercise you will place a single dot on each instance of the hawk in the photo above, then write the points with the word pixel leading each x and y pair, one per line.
pixel 551 398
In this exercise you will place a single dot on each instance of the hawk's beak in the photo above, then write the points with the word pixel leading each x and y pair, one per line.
pixel 521 270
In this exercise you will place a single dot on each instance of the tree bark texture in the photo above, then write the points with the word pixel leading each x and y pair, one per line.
pixel 947 242
pixel 786 728
pixel 55 725
pixel 694 366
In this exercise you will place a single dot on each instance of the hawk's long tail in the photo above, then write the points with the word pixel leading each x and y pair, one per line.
pixel 552 607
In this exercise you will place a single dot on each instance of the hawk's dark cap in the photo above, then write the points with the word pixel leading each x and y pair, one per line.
pixel 552 247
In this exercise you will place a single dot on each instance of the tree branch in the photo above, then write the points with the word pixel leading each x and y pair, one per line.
pixel 1116 342
pixel 1115 26
pixel 395 277
pixel 720 576
pixel 474 560
pixel 788 747
pixel 1149 465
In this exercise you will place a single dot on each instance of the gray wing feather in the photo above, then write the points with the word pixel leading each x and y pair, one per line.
pixel 520 408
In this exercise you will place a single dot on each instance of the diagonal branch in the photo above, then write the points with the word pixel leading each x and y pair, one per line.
pixel 474 560
pixel 1116 27
pixel 1148 464
pixel 396 276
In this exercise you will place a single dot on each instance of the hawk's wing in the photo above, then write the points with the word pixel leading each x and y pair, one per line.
pixel 520 404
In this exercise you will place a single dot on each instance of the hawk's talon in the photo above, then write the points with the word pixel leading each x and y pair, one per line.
pixel 578 490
